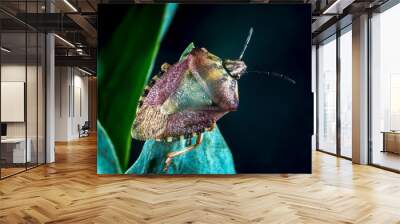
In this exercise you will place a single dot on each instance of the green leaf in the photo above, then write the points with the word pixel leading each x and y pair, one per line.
pixel 124 66
pixel 187 51
pixel 107 160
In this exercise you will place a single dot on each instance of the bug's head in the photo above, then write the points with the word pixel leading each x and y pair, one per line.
pixel 236 68
pixel 233 68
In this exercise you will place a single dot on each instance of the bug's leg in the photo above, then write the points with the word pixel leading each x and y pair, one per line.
pixel 165 67
pixel 171 155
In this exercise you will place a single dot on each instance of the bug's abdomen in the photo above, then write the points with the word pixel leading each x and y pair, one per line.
pixel 189 122
pixel 149 123
pixel 161 87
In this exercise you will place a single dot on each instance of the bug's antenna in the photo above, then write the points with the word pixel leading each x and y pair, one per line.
pixel 274 74
pixel 246 43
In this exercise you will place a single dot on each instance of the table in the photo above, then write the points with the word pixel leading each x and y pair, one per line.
pixel 13 150
pixel 391 141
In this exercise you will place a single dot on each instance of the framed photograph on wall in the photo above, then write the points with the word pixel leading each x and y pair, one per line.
pixel 204 89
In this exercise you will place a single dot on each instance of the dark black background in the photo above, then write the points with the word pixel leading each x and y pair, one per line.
pixel 271 131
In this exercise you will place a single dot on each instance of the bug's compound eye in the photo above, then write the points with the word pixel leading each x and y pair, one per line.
pixel 235 68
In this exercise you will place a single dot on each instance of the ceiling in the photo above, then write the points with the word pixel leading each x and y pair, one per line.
pixel 75 23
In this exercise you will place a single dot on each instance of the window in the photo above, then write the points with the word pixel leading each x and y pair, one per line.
pixel 385 88
pixel 327 96
pixel 346 93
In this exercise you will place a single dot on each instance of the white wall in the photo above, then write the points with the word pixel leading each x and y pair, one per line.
pixel 13 73
pixel 61 103
pixel 71 102
pixel 9 73
pixel 80 110
pixel 13 101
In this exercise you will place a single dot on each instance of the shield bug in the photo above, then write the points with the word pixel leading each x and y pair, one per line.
pixel 188 98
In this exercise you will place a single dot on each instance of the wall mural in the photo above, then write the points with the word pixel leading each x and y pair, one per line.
pixel 170 79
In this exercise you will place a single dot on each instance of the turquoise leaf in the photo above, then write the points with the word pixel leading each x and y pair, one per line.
pixel 212 156
pixel 107 160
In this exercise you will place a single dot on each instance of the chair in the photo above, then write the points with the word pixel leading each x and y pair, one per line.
pixel 84 130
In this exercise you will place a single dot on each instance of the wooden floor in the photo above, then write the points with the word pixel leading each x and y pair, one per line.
pixel 8 171
pixel 5 172
pixel 69 191
pixel 387 159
